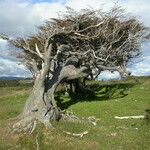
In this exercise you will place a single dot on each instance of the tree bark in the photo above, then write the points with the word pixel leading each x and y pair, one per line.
pixel 34 109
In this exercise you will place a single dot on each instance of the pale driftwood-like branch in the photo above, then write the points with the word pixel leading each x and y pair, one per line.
pixel 130 117
pixel 38 51
pixel 27 48
pixel 77 134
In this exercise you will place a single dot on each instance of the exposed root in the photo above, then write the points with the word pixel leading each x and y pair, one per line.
pixel 34 126
pixel 37 143
pixel 27 124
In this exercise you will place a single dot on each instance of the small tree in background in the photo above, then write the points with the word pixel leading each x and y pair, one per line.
pixel 76 45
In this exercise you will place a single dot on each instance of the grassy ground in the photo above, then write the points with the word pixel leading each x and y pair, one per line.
pixel 113 98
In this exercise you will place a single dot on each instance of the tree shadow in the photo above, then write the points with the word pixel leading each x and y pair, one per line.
pixel 102 92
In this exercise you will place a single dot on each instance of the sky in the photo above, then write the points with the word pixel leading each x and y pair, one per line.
pixel 20 18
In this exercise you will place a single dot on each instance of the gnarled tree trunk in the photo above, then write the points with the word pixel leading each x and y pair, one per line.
pixel 41 105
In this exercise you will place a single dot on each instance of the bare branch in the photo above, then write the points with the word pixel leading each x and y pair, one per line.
pixel 31 51
pixel 99 57
pixel 90 27
pixel 38 52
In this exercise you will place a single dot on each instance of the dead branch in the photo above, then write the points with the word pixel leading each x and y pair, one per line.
pixel 38 52
pixel 77 134
pixel 130 117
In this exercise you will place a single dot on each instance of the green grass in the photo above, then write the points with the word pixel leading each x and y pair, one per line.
pixel 113 98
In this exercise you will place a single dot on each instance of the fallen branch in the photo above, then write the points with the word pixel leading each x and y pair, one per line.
pixel 77 134
pixel 130 117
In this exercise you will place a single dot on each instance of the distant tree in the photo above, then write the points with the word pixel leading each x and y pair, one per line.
pixel 74 46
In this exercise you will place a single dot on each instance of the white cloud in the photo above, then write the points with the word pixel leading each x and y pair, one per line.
pixel 96 4
pixel 142 68
pixel 9 66
pixel 105 75
pixel 12 68
pixel 140 8
pixel 23 16
pixel 4 48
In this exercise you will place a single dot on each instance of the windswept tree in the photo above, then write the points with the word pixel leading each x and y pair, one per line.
pixel 76 45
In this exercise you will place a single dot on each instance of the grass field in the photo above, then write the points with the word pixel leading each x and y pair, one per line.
pixel 113 98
